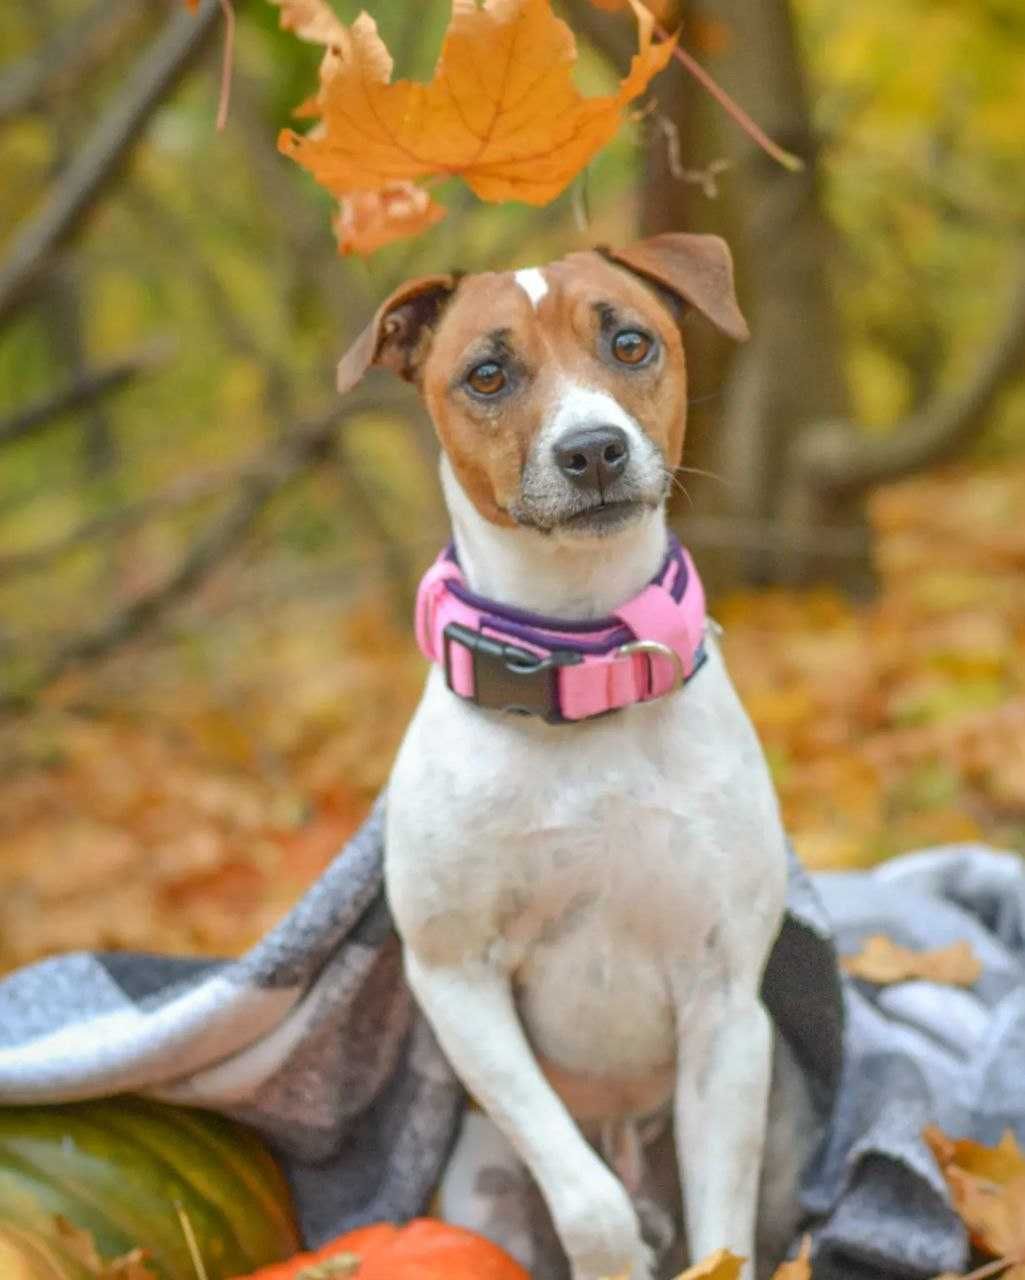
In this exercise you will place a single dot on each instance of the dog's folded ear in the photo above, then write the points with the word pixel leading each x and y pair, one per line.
pixel 399 334
pixel 696 269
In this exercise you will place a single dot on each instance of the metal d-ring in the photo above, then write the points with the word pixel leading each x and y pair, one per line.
pixel 652 648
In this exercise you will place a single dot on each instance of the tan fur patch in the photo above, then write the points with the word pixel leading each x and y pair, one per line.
pixel 558 343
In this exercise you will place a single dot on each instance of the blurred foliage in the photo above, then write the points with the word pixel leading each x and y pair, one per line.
pixel 919 106
pixel 179 793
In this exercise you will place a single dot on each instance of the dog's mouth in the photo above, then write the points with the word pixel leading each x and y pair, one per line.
pixel 599 518
pixel 603 516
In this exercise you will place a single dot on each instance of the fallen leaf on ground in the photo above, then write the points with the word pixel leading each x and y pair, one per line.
pixel 82 1247
pixel 502 111
pixel 883 961
pixel 368 220
pixel 721 1265
pixel 1001 1164
pixel 798 1268
pixel 987 1187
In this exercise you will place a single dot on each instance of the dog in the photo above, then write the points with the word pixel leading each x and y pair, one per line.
pixel 584 853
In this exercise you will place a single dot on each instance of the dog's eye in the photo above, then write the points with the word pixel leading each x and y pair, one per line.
pixel 487 379
pixel 630 346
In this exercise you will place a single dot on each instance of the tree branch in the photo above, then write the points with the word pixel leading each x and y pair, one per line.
pixel 305 446
pixel 184 492
pixel 174 233
pixel 833 458
pixel 76 43
pixel 82 391
pixel 156 72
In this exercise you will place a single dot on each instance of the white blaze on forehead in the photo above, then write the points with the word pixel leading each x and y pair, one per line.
pixel 533 283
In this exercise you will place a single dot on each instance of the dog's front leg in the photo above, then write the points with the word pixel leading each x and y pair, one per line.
pixel 723 1076
pixel 470 1006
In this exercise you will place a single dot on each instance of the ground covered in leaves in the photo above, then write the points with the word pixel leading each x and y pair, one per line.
pixel 181 795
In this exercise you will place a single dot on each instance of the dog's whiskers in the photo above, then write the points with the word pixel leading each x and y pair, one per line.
pixel 676 483
pixel 708 475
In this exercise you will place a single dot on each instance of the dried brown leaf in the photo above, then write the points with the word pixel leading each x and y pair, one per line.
pixel 368 220
pixel 721 1265
pixel 312 20
pixel 883 961
pixel 798 1268
pixel 82 1247
pixel 987 1186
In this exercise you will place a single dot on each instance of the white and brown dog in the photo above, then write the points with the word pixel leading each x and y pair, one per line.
pixel 586 899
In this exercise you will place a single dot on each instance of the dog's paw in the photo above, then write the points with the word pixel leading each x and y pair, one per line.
pixel 600 1232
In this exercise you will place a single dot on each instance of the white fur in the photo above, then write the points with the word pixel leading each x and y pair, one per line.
pixel 586 909
pixel 546 491
pixel 551 575
pixel 582 406
pixel 533 283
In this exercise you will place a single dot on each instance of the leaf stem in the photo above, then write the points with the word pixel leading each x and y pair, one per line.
pixel 227 63
pixel 733 109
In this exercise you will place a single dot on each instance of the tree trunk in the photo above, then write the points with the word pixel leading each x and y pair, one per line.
pixel 790 374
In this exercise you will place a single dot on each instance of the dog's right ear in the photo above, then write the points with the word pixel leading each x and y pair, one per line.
pixel 694 269
pixel 400 332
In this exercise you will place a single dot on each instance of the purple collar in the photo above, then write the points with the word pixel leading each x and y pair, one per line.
pixel 510 659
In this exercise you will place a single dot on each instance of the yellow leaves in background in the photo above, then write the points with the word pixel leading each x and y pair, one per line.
pixel 987 1186
pixel 883 961
pixel 502 111
pixel 220 780
pixel 899 723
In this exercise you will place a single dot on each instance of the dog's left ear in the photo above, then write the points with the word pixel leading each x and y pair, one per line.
pixel 694 268
pixel 399 334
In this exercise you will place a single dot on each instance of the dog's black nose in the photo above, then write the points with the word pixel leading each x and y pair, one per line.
pixel 593 457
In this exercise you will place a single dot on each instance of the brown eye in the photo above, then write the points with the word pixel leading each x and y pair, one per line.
pixel 487 379
pixel 631 347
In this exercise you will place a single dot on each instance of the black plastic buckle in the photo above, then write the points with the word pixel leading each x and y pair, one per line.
pixel 508 678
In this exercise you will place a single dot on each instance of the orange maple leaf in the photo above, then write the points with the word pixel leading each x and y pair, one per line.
pixel 987 1186
pixel 883 961
pixel 368 220
pixel 502 111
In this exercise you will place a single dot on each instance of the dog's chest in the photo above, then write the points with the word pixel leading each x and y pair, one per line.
pixel 606 906
pixel 594 863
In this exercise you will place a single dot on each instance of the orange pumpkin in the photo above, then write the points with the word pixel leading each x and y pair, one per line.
pixel 424 1250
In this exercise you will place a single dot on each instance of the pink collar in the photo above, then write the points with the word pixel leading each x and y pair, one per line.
pixel 508 659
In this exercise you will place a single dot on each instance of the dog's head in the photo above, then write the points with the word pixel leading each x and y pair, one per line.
pixel 558 393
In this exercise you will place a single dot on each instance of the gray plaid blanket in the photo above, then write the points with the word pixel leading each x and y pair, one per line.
pixel 313 1039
